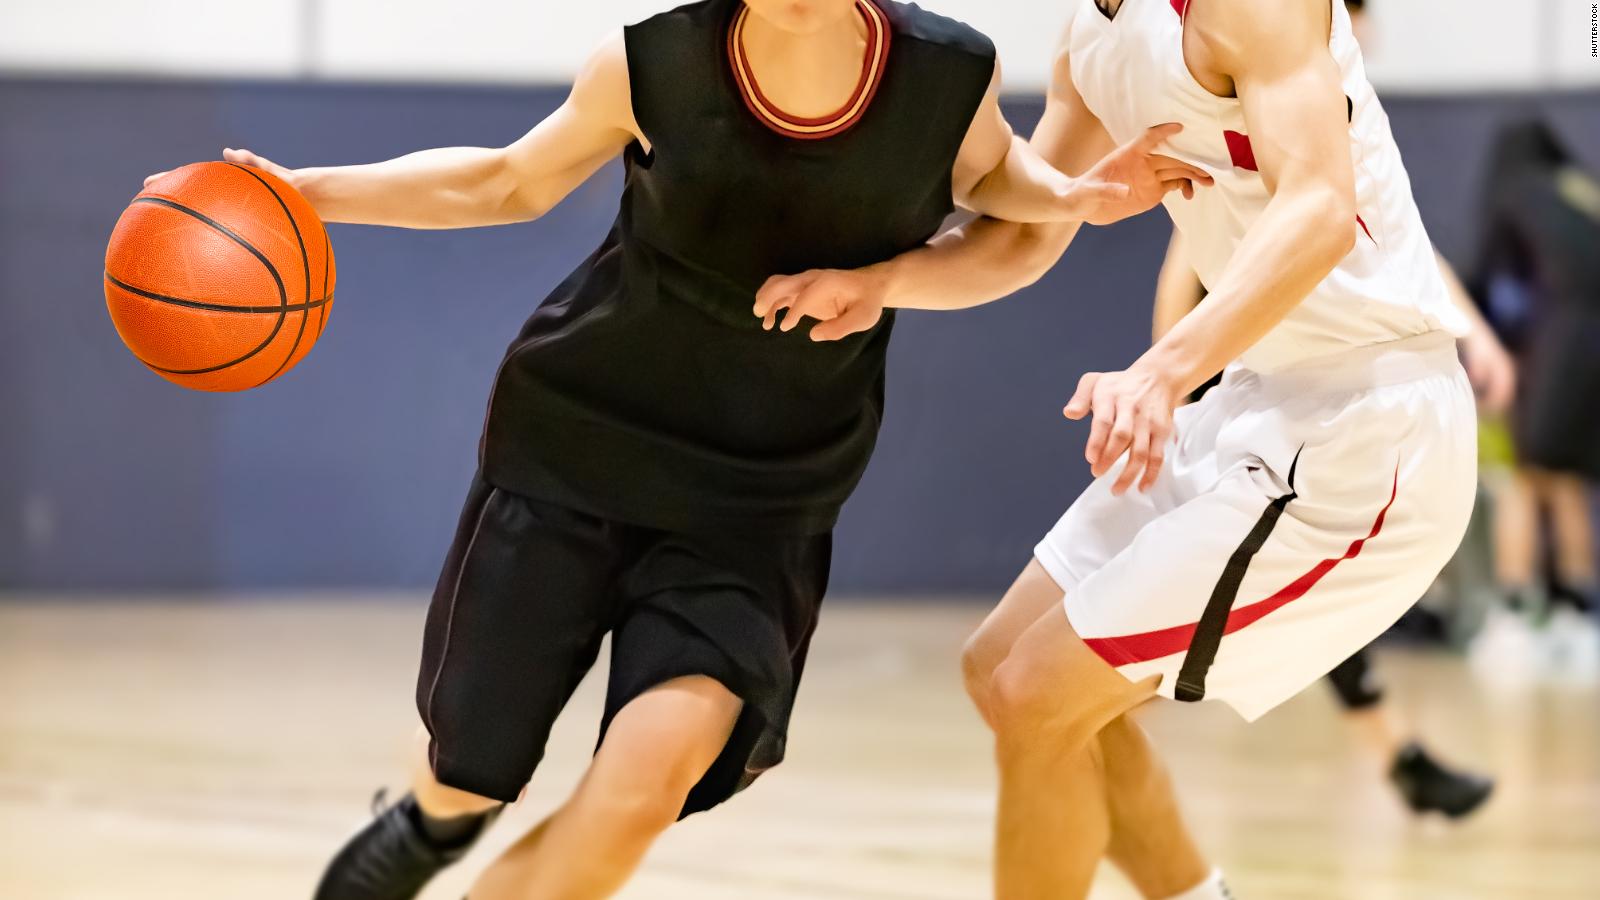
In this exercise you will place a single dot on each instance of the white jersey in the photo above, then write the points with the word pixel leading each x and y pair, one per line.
pixel 1131 72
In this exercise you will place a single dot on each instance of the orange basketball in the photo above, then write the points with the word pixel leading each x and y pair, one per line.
pixel 219 277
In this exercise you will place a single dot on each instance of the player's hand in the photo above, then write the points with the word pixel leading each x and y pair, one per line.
pixel 1492 370
pixel 245 158
pixel 1145 176
pixel 1132 412
pixel 844 302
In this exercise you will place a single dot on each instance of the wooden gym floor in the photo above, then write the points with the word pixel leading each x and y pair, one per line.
pixel 221 750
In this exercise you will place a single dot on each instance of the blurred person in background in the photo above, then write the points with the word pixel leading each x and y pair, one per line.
pixel 1424 783
pixel 654 465
pixel 1539 281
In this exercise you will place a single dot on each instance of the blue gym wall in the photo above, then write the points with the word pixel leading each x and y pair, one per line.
pixel 348 472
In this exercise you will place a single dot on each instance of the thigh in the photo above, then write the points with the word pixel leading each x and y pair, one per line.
pixel 1030 596
pixel 515 623
pixel 667 737
pixel 1052 683
pixel 1257 588
pixel 739 610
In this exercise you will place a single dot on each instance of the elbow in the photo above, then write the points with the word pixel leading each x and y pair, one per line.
pixel 511 199
pixel 1333 244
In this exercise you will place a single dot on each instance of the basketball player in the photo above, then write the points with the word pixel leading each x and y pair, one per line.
pixel 1242 548
pixel 654 465
pixel 1424 783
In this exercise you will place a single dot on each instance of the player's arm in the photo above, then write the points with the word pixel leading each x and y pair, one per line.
pixel 460 187
pixel 999 175
pixel 1276 54
pixel 983 261
pixel 1178 289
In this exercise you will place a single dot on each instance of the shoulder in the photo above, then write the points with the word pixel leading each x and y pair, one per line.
pixel 913 23
pixel 1245 28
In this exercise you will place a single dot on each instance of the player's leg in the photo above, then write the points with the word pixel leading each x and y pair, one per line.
pixel 1030 596
pixel 516 621
pixel 1050 699
pixel 1572 533
pixel 1150 842
pixel 1516 532
pixel 1424 783
pixel 656 749
pixel 1147 836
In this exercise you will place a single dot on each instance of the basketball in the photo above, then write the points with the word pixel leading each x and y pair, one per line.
pixel 219 277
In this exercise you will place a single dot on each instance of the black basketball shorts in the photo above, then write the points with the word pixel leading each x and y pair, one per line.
pixel 528 591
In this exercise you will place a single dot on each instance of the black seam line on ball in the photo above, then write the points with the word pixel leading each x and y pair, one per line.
pixel 305 268
pixel 283 293
pixel 212 307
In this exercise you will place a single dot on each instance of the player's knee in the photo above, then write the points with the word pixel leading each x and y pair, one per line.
pixel 641 805
pixel 979 659
pixel 1018 698
pixel 1036 707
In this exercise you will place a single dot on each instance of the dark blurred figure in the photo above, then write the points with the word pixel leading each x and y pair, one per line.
pixel 1538 280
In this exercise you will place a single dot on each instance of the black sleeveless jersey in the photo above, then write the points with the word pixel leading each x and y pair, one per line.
pixel 643 389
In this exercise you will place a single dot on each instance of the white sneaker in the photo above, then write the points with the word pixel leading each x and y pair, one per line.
pixel 1570 645
pixel 1508 649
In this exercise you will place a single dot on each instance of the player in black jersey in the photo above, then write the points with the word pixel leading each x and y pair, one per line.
pixel 656 466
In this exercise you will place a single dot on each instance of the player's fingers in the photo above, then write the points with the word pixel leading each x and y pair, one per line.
pixel 777 290
pixel 1101 432
pixel 1178 184
pixel 1078 406
pixel 1120 438
pixel 1099 435
pixel 1138 456
pixel 769 320
pixel 1170 173
pixel 149 179
pixel 791 318
pixel 1152 466
pixel 1170 167
pixel 854 320
pixel 819 300
pixel 1156 136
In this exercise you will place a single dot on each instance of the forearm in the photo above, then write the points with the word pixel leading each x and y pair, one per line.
pixel 1288 252
pixel 982 262
pixel 451 187
pixel 1022 188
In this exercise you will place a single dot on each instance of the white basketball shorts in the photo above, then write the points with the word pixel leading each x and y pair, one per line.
pixel 1298 515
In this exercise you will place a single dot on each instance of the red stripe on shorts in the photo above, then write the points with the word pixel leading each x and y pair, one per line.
pixel 1136 648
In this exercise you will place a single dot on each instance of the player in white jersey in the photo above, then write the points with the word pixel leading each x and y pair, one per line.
pixel 1424 783
pixel 1244 547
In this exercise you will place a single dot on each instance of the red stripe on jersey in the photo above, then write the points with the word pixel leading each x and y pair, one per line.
pixel 1363 223
pixel 1180 6
pixel 1240 149
pixel 1135 648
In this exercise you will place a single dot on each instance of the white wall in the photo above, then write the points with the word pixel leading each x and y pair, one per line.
pixel 1424 45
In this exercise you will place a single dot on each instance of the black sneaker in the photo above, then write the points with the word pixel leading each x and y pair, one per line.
pixel 392 858
pixel 1427 786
